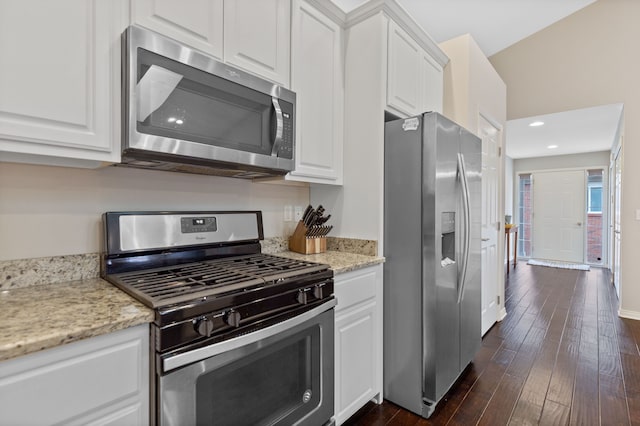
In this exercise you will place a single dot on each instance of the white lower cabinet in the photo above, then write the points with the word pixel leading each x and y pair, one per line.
pixel 358 340
pixel 103 380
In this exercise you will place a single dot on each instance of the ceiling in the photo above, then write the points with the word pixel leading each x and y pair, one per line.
pixel 496 25
pixel 582 130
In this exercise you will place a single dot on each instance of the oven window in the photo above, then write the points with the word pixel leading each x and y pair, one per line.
pixel 264 387
pixel 177 101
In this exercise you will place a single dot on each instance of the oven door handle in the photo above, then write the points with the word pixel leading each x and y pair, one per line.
pixel 179 360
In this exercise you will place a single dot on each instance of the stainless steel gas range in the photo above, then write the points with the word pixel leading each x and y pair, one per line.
pixel 239 337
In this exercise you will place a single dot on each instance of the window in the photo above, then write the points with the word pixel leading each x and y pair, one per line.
pixel 595 222
pixel 525 210
pixel 594 195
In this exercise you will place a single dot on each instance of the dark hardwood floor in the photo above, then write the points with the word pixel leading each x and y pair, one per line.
pixel 561 356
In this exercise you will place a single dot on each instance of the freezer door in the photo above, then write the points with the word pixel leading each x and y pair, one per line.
pixel 403 290
pixel 470 300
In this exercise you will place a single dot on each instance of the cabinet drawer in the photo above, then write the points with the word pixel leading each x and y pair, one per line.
pixel 355 287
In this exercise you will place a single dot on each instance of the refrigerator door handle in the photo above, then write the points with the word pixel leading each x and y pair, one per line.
pixel 462 173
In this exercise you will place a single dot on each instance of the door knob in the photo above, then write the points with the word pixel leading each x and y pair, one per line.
pixel 579 223
pixel 486 239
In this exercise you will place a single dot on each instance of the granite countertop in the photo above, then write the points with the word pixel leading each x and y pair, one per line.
pixel 339 261
pixel 44 316
pixel 62 308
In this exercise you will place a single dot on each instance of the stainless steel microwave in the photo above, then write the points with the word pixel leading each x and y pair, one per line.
pixel 185 111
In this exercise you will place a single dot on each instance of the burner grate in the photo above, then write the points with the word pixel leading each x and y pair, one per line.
pixel 165 286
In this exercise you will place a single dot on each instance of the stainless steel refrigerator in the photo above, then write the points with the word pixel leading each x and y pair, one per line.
pixel 432 202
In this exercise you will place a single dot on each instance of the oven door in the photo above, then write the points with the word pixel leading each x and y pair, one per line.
pixel 280 375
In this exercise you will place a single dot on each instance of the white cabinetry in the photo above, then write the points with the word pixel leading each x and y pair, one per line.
pixel 432 89
pixel 386 58
pixel 257 37
pixel 99 381
pixel 358 340
pixel 403 71
pixel 317 79
pixel 414 79
pixel 198 24
pixel 60 81
pixel 249 34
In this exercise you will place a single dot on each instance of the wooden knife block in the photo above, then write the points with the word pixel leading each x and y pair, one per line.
pixel 300 243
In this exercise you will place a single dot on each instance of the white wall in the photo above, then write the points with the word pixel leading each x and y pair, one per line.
pixel 52 211
pixel 508 186
pixel 580 161
pixel 359 203
pixel 588 58
pixel 473 88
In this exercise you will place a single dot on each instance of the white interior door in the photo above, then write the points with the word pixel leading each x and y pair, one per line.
pixel 490 222
pixel 616 221
pixel 558 215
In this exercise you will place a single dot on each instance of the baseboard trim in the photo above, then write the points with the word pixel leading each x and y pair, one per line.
pixel 634 315
pixel 502 314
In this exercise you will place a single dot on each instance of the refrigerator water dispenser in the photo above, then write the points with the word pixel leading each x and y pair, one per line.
pixel 448 241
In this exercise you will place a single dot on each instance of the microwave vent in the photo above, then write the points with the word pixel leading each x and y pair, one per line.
pixel 192 169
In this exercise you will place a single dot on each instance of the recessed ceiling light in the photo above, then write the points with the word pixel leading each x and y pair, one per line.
pixel 552 146
pixel 536 123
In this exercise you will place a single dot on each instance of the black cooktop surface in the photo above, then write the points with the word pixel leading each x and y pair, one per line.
pixel 165 286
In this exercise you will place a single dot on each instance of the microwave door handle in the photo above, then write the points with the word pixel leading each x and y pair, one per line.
pixel 279 127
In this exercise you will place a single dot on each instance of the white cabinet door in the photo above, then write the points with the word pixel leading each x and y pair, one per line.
pixel 355 360
pixel 102 380
pixel 358 340
pixel 317 79
pixel 60 80
pixel 404 57
pixel 257 37
pixel 197 24
pixel 432 89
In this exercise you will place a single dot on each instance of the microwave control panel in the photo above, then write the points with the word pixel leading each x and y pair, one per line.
pixel 286 146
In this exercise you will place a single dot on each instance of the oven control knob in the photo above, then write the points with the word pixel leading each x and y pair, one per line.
pixel 303 296
pixel 232 318
pixel 204 326
pixel 319 292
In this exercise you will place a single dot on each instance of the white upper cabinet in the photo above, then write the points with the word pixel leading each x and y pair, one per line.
pixel 249 34
pixel 257 37
pixel 198 24
pixel 60 81
pixel 414 78
pixel 403 71
pixel 317 79
pixel 432 84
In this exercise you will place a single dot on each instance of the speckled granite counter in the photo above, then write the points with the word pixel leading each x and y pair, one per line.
pixel 45 316
pixel 44 303
pixel 339 261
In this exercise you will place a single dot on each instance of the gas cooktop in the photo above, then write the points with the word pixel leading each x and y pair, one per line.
pixel 159 287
